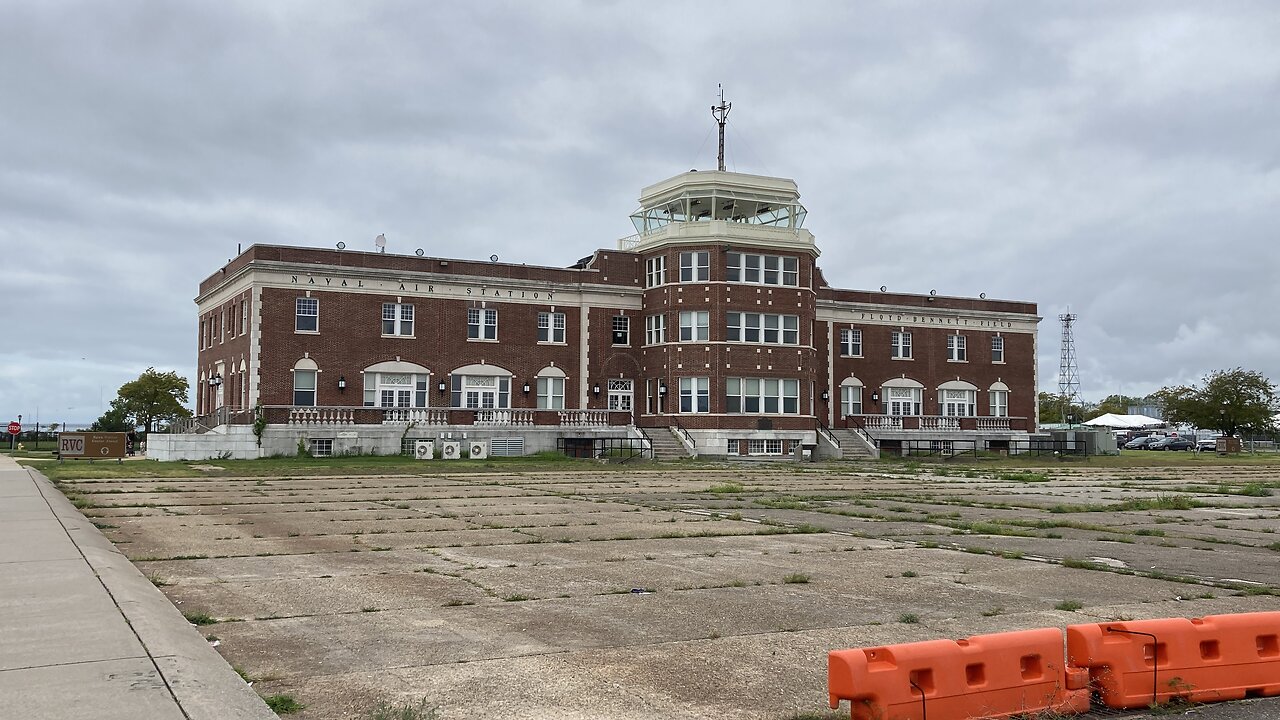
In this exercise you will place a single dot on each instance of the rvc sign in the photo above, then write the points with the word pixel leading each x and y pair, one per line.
pixel 92 446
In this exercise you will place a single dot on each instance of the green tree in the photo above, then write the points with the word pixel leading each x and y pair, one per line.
pixel 1229 401
pixel 1051 405
pixel 155 397
pixel 1117 404
pixel 114 420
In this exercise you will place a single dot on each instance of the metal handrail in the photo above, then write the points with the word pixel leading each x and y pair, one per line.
pixel 648 441
pixel 825 432
pixel 679 427
pixel 859 428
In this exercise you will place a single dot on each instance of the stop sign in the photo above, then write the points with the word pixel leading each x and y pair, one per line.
pixel 14 428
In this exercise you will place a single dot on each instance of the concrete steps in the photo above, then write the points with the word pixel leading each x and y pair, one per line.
pixel 666 446
pixel 852 445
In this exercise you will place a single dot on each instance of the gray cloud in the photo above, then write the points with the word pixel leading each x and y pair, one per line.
pixel 1119 159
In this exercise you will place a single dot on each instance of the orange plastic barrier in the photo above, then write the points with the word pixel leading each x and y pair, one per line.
pixel 1220 657
pixel 983 676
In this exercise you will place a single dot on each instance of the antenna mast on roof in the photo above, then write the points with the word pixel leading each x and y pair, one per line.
pixel 1068 371
pixel 721 113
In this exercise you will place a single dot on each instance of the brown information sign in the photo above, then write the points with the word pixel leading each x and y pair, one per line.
pixel 92 446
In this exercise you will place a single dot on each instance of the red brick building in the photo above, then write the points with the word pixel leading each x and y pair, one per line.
pixel 713 322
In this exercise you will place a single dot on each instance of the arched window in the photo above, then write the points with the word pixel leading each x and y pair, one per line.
pixel 957 398
pixel 481 387
pixel 551 388
pixel 396 383
pixel 902 396
pixel 998 399
pixel 304 382
pixel 850 397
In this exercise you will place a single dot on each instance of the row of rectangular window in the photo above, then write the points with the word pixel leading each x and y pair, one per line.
pixel 741 327
pixel 410 390
pixel 908 401
pixel 217 325
pixel 695 266
pixel 900 346
pixel 482 323
pixel 769 396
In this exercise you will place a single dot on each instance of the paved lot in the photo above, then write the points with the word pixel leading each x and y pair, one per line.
pixel 670 592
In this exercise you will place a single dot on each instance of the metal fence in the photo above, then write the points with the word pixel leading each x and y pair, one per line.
pixel 977 448
pixel 612 448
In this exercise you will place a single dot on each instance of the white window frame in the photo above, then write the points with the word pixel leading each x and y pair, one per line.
pixel 957 403
pixel 695 266
pixel 480 392
pixel 753 269
pixel 900 345
pixel 550 393
pixel 766 328
pixel 695 325
pixel 997 349
pixel 482 324
pixel 655 271
pixel 695 395
pixel 902 401
pixel 850 400
pixel 957 348
pixel 621 394
pixel 655 329
pixel 306 307
pixel 244 311
pixel 998 402
pixel 621 329
pixel 551 328
pixel 398 319
pixel 851 342
pixel 762 396
pixel 764 446
pixel 300 382
pixel 396 390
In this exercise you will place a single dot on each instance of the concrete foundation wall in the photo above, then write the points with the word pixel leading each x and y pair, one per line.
pixel 229 442
pixel 715 443
pixel 237 442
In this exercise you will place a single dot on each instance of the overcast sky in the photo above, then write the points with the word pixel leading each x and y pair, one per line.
pixel 1117 158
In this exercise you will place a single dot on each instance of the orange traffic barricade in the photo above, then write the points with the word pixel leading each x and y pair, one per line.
pixel 989 676
pixel 1219 657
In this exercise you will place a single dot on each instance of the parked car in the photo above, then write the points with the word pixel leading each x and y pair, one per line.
pixel 1207 444
pixel 1140 443
pixel 1171 443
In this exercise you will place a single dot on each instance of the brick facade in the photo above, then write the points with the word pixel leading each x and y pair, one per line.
pixel 351 288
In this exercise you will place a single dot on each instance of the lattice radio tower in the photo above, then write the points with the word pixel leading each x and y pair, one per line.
pixel 1068 371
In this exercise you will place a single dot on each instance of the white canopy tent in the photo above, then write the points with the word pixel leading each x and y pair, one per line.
pixel 1125 422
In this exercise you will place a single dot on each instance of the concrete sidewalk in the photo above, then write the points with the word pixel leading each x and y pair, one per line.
pixel 83 634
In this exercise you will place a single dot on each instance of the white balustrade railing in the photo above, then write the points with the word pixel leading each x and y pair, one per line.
pixel 504 417
pixel 936 422
pixel 882 422
pixel 584 418
pixel 993 423
pixel 321 416
pixel 418 416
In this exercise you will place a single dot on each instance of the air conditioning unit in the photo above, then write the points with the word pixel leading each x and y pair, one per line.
pixel 451 449
pixel 424 449
pixel 479 449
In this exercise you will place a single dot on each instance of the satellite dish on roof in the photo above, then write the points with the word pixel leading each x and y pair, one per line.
pixel 380 242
